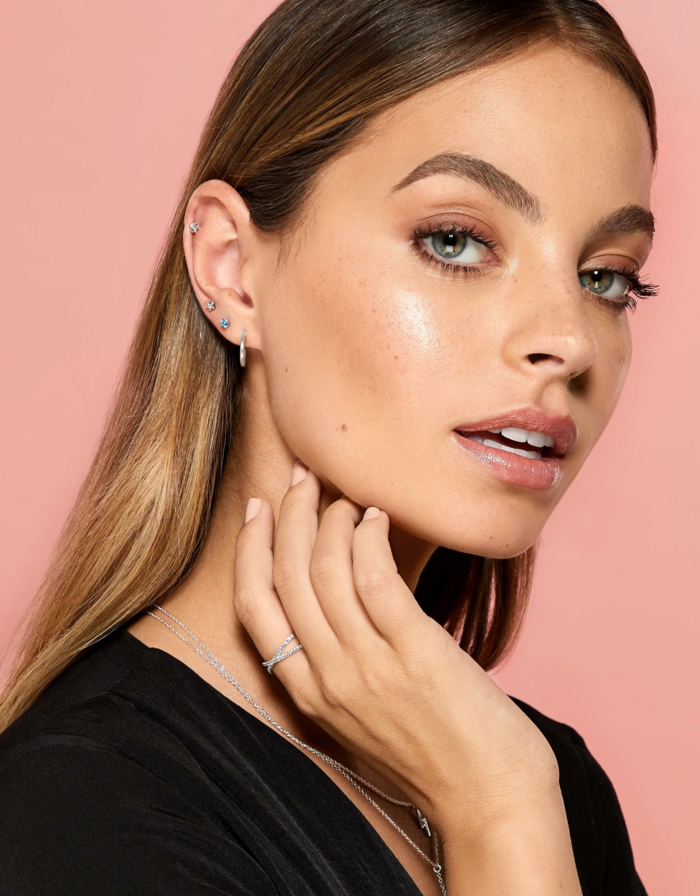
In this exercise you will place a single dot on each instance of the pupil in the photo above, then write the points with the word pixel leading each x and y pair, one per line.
pixel 601 281
pixel 449 245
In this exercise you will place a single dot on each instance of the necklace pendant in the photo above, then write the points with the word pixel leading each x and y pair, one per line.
pixel 423 822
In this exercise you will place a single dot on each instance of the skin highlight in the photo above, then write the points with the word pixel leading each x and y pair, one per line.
pixel 364 354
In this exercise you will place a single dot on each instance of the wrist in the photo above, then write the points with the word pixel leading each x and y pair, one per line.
pixel 484 801
pixel 525 851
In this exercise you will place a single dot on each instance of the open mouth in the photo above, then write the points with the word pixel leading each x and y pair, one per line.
pixel 523 442
pixel 531 457
pixel 526 448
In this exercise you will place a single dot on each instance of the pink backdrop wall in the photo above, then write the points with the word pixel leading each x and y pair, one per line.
pixel 102 105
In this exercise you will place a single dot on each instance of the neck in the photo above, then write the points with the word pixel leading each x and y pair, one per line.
pixel 260 466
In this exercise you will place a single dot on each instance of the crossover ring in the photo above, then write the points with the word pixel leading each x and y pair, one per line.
pixel 279 655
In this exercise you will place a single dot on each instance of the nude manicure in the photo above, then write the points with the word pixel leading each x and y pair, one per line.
pixel 252 508
pixel 299 472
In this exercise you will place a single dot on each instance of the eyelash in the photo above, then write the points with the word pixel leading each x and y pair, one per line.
pixel 643 289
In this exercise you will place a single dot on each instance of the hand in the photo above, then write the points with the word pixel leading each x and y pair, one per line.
pixel 382 677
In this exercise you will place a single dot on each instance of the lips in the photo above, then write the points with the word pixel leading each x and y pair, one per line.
pixel 560 429
pixel 525 447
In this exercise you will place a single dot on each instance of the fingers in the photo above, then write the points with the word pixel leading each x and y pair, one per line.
pixel 255 600
pixel 331 575
pixel 273 596
pixel 334 585
pixel 295 536
pixel 387 599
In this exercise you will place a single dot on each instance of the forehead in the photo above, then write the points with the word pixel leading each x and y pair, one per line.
pixel 565 129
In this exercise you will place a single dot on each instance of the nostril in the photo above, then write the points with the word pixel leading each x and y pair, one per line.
pixel 536 357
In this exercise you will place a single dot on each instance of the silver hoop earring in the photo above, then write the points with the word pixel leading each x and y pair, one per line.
pixel 242 350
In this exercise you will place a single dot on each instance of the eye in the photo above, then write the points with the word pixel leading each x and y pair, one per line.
pixel 608 284
pixel 456 246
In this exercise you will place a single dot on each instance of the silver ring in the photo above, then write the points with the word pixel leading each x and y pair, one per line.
pixel 279 656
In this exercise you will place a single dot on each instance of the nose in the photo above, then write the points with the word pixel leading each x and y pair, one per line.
pixel 551 334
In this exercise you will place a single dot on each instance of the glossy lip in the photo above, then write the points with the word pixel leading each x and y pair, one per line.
pixel 561 428
pixel 537 475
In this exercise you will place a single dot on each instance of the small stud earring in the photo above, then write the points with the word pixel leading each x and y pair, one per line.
pixel 242 350
pixel 211 306
pixel 194 227
pixel 225 324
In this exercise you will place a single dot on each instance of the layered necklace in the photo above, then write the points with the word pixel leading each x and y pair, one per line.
pixel 356 780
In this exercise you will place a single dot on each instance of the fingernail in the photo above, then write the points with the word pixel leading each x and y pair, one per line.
pixel 299 472
pixel 371 513
pixel 252 508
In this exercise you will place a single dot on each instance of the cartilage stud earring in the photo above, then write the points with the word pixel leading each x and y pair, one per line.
pixel 225 324
pixel 211 306
pixel 194 227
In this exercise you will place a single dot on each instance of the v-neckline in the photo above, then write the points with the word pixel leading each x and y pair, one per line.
pixel 326 781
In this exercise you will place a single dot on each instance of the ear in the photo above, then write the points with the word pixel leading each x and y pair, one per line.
pixel 218 253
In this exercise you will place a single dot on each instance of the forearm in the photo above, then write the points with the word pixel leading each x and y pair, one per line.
pixel 526 853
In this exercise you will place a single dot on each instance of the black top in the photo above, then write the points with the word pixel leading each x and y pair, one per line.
pixel 133 775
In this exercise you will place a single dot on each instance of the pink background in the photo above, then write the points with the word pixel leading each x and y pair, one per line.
pixel 103 104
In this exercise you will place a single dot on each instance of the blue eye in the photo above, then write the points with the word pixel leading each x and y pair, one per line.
pixel 608 284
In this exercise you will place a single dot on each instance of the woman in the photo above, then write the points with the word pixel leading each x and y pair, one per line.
pixel 388 327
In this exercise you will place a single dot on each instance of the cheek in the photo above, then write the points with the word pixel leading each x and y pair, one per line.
pixel 616 349
pixel 351 354
pixel 606 378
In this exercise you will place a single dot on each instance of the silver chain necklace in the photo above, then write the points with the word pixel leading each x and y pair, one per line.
pixel 347 773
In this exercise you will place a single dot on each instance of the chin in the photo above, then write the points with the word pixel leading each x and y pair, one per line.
pixel 499 540
pixel 506 552
pixel 496 548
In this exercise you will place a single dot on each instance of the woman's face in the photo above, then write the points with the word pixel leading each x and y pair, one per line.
pixel 463 269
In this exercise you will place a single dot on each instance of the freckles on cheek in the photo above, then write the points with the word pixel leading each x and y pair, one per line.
pixel 378 324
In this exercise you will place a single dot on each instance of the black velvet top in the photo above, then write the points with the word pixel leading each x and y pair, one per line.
pixel 133 775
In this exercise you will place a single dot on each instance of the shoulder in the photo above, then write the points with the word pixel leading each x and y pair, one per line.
pixel 89 736
pixel 79 816
pixel 98 793
pixel 91 678
pixel 80 745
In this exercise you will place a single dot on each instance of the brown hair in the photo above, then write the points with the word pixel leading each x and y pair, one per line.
pixel 303 87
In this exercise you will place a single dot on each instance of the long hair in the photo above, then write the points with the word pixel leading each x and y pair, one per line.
pixel 302 89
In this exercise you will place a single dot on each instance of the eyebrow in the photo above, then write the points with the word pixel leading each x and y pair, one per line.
pixel 497 182
pixel 628 219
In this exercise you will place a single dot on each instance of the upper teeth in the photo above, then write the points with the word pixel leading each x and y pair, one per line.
pixel 536 439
